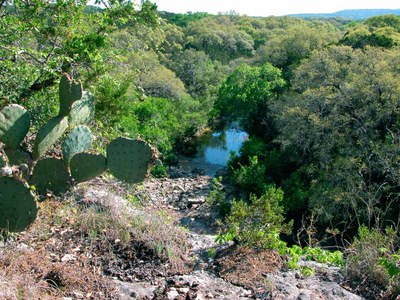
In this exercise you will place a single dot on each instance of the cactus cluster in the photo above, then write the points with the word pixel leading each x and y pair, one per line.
pixel 127 159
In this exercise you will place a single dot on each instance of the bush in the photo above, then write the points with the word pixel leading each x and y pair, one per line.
pixel 259 223
pixel 369 255
pixel 159 171
pixel 217 195
pixel 250 178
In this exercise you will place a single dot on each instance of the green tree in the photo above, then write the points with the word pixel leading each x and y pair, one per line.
pixel 41 39
pixel 286 47
pixel 247 95
pixel 380 31
pixel 344 124
pixel 219 37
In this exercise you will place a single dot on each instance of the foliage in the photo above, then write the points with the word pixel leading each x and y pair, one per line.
pixel 217 197
pixel 247 94
pixel 250 178
pixel 380 31
pixel 41 39
pixel 343 127
pixel 183 20
pixel 219 37
pixel 162 121
pixel 159 171
pixel 391 264
pixel 287 47
pixel 370 257
pixel 52 174
pixel 257 223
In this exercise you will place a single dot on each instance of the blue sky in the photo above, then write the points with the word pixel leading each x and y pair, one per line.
pixel 272 7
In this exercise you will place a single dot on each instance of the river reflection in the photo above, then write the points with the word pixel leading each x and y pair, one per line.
pixel 213 150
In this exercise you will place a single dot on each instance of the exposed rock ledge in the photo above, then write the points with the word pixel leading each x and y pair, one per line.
pixel 184 195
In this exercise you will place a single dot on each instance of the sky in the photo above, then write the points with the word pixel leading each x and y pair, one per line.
pixel 271 7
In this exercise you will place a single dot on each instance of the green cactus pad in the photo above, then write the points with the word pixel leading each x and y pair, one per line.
pixel 69 92
pixel 17 157
pixel 3 160
pixel 78 140
pixel 50 174
pixel 82 111
pixel 86 166
pixel 48 135
pixel 128 159
pixel 14 125
pixel 18 207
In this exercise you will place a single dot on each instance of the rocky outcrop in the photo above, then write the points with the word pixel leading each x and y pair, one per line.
pixel 183 196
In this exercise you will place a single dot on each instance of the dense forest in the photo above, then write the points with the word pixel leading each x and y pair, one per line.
pixel 319 98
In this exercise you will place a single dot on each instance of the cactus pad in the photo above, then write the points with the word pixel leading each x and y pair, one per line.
pixel 50 174
pixel 86 166
pixel 3 160
pixel 48 135
pixel 69 92
pixel 82 111
pixel 78 140
pixel 18 207
pixel 17 157
pixel 128 159
pixel 14 125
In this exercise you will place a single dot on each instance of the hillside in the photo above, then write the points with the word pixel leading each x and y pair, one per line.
pixel 353 14
pixel 116 175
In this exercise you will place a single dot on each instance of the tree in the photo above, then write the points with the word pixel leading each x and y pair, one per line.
pixel 246 96
pixel 380 31
pixel 219 37
pixel 41 39
pixel 344 124
pixel 286 47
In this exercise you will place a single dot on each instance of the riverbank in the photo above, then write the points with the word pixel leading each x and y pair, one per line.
pixel 156 240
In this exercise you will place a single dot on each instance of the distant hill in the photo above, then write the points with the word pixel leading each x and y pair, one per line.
pixel 353 14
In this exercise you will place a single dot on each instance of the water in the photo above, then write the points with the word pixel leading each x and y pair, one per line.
pixel 213 150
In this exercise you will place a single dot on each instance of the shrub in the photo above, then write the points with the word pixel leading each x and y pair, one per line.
pixel 217 197
pixel 159 171
pixel 365 254
pixel 250 178
pixel 258 223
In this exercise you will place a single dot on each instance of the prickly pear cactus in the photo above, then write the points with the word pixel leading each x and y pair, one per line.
pixel 50 174
pixel 128 159
pixel 78 140
pixel 17 157
pixel 14 125
pixel 86 166
pixel 69 92
pixel 3 159
pixel 18 207
pixel 82 111
pixel 48 135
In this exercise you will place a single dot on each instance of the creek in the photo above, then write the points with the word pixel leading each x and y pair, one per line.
pixel 213 150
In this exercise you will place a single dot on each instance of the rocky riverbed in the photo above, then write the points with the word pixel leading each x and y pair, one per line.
pixel 251 276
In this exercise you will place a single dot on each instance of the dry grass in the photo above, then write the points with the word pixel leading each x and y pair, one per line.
pixel 246 267
pixel 33 275
pixel 76 242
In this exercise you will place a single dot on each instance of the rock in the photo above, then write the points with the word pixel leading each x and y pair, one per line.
pixel 172 294
pixel 183 290
pixel 135 290
pixel 209 286
pixel 291 287
pixel 179 187
pixel 198 171
pixel 68 257
pixel 198 200
pixel 24 248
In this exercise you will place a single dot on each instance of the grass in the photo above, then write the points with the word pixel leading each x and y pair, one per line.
pixel 102 233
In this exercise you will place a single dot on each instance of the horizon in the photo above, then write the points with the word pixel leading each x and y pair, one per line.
pixel 284 7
